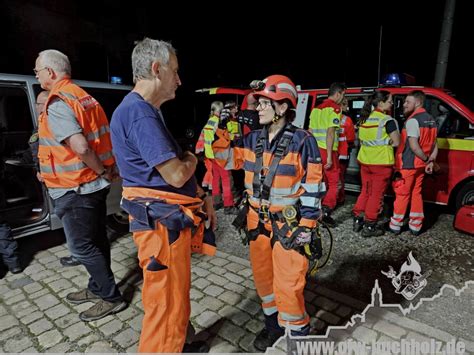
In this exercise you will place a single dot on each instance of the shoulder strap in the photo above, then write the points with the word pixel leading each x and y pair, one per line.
pixel 259 148
pixel 280 151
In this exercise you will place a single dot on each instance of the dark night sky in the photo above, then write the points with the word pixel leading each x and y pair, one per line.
pixel 315 43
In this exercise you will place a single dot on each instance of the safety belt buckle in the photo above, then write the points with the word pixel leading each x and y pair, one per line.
pixel 263 211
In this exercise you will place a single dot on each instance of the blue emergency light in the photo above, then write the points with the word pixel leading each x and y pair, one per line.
pixel 396 79
pixel 116 80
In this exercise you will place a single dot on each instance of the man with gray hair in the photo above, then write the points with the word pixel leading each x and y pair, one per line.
pixel 162 197
pixel 77 165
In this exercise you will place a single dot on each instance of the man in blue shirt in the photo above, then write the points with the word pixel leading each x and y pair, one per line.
pixel 161 195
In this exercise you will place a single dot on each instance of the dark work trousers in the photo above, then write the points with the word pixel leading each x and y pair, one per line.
pixel 8 247
pixel 84 221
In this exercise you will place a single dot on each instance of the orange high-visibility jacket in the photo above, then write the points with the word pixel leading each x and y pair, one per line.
pixel 60 166
pixel 405 158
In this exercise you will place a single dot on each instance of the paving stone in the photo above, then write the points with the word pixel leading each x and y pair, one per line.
pixel 57 311
pixel 77 331
pixel 310 309
pixel 19 283
pixel 328 317
pixel 89 339
pixel 32 317
pixel 234 287
pixel 16 345
pixel 196 309
pixel 231 333
pixel 15 299
pixel 249 284
pixel 211 303
pixel 213 290
pixel 469 344
pixel 204 265
pixel 249 306
pixel 32 287
pixel 10 333
pixel 53 277
pixel 235 268
pixel 200 271
pixel 201 283
pixel 230 297
pixel 245 273
pixel 324 303
pixel 33 269
pixel 22 309
pixel 100 347
pixel 133 349
pixel 67 320
pixel 254 326
pixel 343 311
pixel 111 327
pixel 219 345
pixel 7 321
pixel 309 296
pixel 38 294
pixel 40 326
pixel 218 270
pixel 353 303
pixel 216 279
pixel 46 301
pixel 42 275
pixel 234 278
pixel 3 310
pixel 219 261
pixel 207 319
pixel 364 334
pixel 238 260
pixel 49 339
pixel 60 285
pixel 128 313
pixel 246 343
pixel 195 294
pixel 60 348
pixel 126 338
pixel 10 294
pixel 136 323
pixel 389 329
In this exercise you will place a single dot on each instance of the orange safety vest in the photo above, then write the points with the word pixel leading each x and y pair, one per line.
pixel 405 158
pixel 60 166
pixel 223 153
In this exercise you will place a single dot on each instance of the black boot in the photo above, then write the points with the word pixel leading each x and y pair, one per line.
pixel 327 219
pixel 371 229
pixel 357 224
pixel 270 334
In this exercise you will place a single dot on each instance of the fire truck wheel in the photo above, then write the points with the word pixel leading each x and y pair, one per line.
pixel 465 195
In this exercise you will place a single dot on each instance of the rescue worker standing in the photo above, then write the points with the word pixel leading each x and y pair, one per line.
pixel 161 195
pixel 378 134
pixel 415 155
pixel 77 165
pixel 346 143
pixel 324 123
pixel 283 173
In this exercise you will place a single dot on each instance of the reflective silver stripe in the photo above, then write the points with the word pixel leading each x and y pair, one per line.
pixel 105 156
pixel 394 227
pixel 398 216
pixel 49 142
pixel 344 157
pixel 376 142
pixel 395 222
pixel 288 87
pixel 208 141
pixel 417 214
pixel 342 139
pixel 292 317
pixel 270 310
pixel 314 187
pixel 310 201
pixel 415 222
pixel 63 168
pixel 318 130
pixel 95 135
pixel 415 229
pixel 277 201
pixel 320 138
pixel 268 298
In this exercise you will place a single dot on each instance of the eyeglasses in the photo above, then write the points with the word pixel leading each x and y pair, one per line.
pixel 36 71
pixel 263 104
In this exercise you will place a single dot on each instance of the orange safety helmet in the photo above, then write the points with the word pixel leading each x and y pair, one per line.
pixel 276 87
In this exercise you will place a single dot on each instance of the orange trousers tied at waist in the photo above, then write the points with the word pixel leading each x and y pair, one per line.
pixel 407 190
pixel 280 278
pixel 331 178
pixel 165 257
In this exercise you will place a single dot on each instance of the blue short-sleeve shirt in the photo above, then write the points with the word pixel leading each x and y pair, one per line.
pixel 140 141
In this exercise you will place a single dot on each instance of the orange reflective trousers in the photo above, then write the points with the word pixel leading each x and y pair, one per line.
pixel 165 258
pixel 280 278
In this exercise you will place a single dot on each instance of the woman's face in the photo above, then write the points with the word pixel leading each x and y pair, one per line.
pixel 386 106
pixel 265 110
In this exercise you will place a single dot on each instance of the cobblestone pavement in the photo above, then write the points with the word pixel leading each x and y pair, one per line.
pixel 35 317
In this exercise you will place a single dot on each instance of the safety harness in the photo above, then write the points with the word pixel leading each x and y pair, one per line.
pixel 261 186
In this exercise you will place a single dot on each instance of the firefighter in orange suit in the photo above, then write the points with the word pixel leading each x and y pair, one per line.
pixel 283 173
pixel 77 166
pixel 378 134
pixel 346 142
pixel 324 123
pixel 415 156
pixel 162 197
